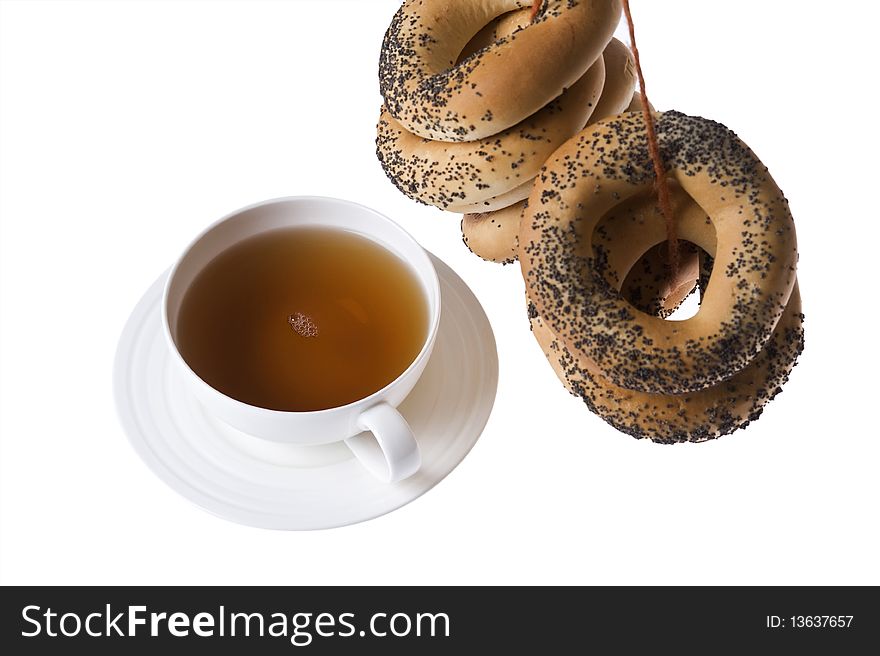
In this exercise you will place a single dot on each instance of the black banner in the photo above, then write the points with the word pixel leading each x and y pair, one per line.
pixel 334 620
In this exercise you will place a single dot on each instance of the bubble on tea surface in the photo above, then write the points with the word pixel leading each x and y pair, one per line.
pixel 303 325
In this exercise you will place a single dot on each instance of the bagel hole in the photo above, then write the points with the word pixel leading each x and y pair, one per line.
pixel 650 288
pixel 687 308
pixel 646 285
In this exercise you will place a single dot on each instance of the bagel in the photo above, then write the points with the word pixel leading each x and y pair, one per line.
pixel 432 97
pixel 635 228
pixel 608 164
pixel 670 418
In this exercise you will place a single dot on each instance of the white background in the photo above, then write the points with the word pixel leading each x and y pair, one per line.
pixel 128 126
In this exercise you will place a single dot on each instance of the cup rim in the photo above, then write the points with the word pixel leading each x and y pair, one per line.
pixel 432 280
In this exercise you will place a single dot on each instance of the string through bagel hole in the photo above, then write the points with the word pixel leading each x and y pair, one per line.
pixel 660 182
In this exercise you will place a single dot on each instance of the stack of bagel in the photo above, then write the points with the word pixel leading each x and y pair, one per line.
pixel 524 120
pixel 477 96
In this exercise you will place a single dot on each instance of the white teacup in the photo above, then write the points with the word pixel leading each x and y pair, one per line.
pixel 397 455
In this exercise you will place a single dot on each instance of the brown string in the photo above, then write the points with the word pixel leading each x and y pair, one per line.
pixel 660 182
pixel 536 7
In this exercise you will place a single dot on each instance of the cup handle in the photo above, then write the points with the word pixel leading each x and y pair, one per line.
pixel 394 453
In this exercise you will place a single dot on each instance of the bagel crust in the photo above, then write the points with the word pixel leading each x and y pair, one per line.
pixel 754 270
pixel 433 97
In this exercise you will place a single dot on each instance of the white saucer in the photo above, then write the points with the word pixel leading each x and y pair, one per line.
pixel 260 483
